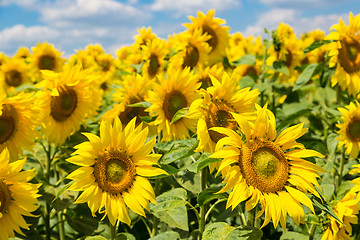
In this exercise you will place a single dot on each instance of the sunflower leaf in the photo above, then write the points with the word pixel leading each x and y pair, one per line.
pixel 310 71
pixel 166 235
pixel 179 114
pixel 289 235
pixel 279 66
pixel 245 60
pixel 315 45
pixel 210 194
pixel 125 236
pixel 95 238
pixel 324 205
pixel 222 231
pixel 143 104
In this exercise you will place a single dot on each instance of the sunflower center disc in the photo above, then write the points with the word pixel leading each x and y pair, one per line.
pixel 353 130
pixel 5 197
pixel 114 172
pixel 218 115
pixel 154 65
pixel 349 54
pixel 191 56
pixel 205 82
pixel 264 166
pixel 47 62
pixel 213 41
pixel 174 101
pixel 64 105
pixel 7 123
pixel 131 112
pixel 13 78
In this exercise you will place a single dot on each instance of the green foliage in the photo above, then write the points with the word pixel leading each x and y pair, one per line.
pixel 222 231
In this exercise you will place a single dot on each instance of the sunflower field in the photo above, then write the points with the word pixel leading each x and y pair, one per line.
pixel 205 135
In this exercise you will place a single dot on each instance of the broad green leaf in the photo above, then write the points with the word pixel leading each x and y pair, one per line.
pixel 222 231
pixel 170 235
pixel 95 238
pixel 125 236
pixel 202 162
pixel 171 208
pixel 84 225
pixel 175 150
pixel 344 187
pixel 290 119
pixel 179 114
pixel 188 180
pixel 328 190
pixel 310 71
pixel 245 60
pixel 288 235
pixel 279 67
pixel 315 45
pixel 245 233
pixel 140 104
pixel 247 81
pixel 324 205
pixel 210 194
pixel 332 143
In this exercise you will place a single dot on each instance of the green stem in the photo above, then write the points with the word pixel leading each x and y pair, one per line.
pixel 203 181
pixel 338 94
pixel 47 177
pixel 112 231
pixel 47 221
pixel 312 231
pixel 213 206
pixel 251 217
pixel 61 225
pixel 155 219
pixel 341 167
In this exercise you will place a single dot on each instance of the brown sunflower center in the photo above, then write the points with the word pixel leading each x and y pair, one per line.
pixel 191 56
pixel 64 105
pixel 205 82
pixel 114 171
pixel 13 78
pixel 250 70
pixel 153 65
pixel 288 58
pixel 353 129
pixel 349 54
pixel 218 115
pixel 46 62
pixel 213 41
pixel 131 112
pixel 264 166
pixel 174 101
pixel 5 197
pixel 7 122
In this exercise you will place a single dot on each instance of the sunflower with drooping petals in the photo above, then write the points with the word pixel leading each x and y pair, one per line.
pixel 192 50
pixel 44 57
pixel 345 54
pixel 267 169
pixel 175 92
pixel 113 170
pixel 19 116
pixel 349 133
pixel 154 52
pixel 209 25
pixel 68 99
pixel 216 106
pixel 13 73
pixel 18 197
pixel 346 209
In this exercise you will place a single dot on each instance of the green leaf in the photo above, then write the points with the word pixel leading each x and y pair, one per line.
pixel 310 71
pixel 222 231
pixel 179 114
pixel 210 194
pixel 324 205
pixel 171 208
pixel 166 236
pixel 84 225
pixel 188 180
pixel 328 190
pixel 247 81
pixel 315 45
pixel 292 118
pixel 245 60
pixel 125 236
pixel 143 104
pixel 279 67
pixel 95 238
pixel 175 150
pixel 344 188
pixel 293 236
pixel 332 143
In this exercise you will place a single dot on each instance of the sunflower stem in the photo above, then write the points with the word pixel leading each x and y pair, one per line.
pixel 112 231
pixel 213 206
pixel 155 219
pixel 61 225
pixel 251 217
pixel 338 94
pixel 341 167
pixel 202 220
pixel 312 231
pixel 47 177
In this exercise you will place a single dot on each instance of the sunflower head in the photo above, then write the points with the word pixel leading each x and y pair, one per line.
pixel 14 73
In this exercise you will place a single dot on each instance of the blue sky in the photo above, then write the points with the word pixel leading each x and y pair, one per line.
pixel 73 24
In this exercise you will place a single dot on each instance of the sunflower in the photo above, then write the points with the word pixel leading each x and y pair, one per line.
pixel 345 54
pixel 127 58
pixel 349 133
pixel 219 34
pixel 240 46
pixel 44 57
pixel 3 58
pixel 216 106
pixel 68 99
pixel 13 73
pixel 18 121
pixel 106 68
pixel 23 53
pixel 317 55
pixel 135 89
pixel 267 170
pixel 18 197
pixel 113 170
pixel 192 48
pixel 175 92
pixel 145 35
pixel 82 57
pixel 203 75
pixel 346 210
pixel 154 52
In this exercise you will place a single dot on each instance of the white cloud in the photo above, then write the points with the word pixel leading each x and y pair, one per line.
pixel 21 3
pixel 272 18
pixel 192 6
pixel 301 4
